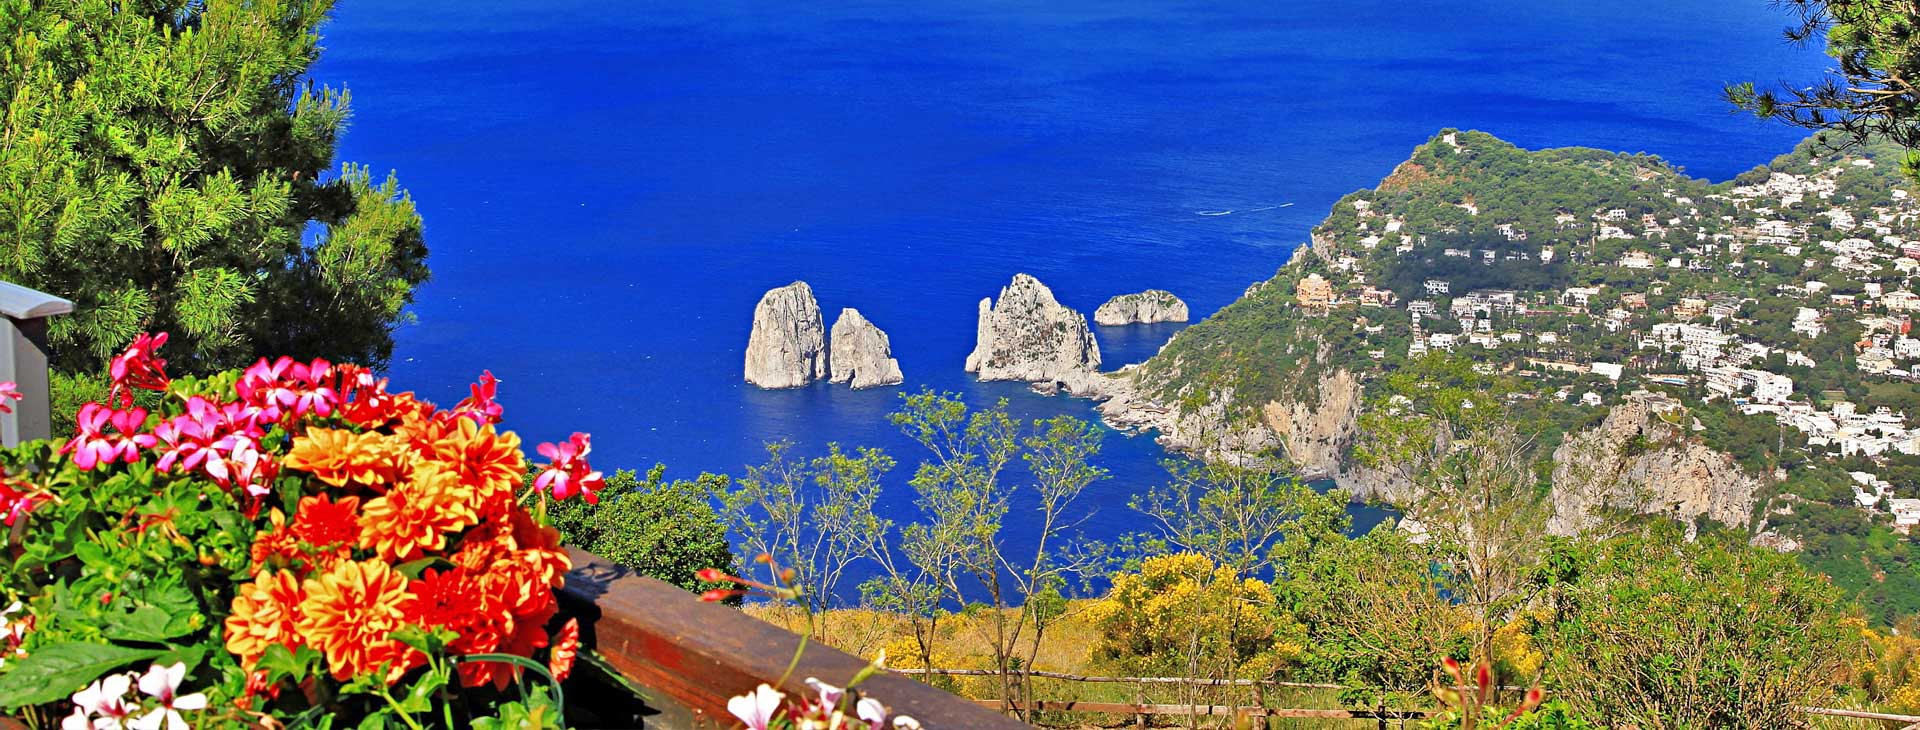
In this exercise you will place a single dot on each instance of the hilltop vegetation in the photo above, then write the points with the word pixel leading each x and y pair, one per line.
pixel 1773 309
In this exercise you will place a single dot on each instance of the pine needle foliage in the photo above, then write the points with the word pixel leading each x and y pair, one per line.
pixel 168 165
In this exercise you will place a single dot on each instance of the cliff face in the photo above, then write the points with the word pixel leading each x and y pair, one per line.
pixel 1147 307
pixel 862 355
pixel 1315 434
pixel 1643 460
pixel 1029 336
pixel 788 347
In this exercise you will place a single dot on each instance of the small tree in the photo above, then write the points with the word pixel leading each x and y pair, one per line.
pixel 1871 93
pixel 1148 620
pixel 1663 633
pixel 1446 431
pixel 1378 613
pixel 1242 518
pixel 816 517
pixel 664 529
pixel 964 496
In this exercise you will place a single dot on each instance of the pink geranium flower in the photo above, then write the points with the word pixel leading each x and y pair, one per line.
pixel 206 430
pixel 139 367
pixel 480 406
pixel 16 500
pixel 757 708
pixel 102 705
pixel 105 435
pixel 567 471
pixel 163 684
pixel 288 386
pixel 244 469
pixel 8 391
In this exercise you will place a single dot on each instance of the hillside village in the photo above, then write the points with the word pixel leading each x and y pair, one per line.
pixel 1788 293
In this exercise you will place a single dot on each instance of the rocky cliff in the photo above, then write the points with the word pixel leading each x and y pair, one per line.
pixel 1316 433
pixel 862 356
pixel 1029 336
pixel 1147 307
pixel 1644 459
pixel 788 346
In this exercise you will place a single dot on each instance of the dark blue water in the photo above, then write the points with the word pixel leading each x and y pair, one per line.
pixel 609 187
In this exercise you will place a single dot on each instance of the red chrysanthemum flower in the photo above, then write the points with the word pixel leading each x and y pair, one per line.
pixel 454 599
pixel 565 647
pixel 325 524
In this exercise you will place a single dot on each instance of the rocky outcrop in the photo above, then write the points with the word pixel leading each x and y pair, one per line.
pixel 1029 336
pixel 1316 436
pixel 862 356
pixel 1147 307
pixel 788 346
pixel 1643 459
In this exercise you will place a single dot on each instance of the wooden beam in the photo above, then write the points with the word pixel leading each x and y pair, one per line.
pixel 1125 708
pixel 698 654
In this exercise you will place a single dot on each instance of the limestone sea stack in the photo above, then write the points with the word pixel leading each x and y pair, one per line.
pixel 862 356
pixel 1029 336
pixel 1147 307
pixel 788 347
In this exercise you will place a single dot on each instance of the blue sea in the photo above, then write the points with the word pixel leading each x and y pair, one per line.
pixel 608 187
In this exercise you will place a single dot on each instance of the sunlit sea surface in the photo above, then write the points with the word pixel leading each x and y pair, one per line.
pixel 609 187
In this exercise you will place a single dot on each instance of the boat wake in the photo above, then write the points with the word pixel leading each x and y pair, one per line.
pixel 1213 212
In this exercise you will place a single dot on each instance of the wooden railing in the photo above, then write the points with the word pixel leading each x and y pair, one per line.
pixel 1142 709
pixel 687 657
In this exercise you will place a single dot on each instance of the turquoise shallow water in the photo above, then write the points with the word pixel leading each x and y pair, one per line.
pixel 608 187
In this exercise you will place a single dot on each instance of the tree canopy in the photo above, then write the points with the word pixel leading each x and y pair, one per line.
pixel 168 165
pixel 1871 92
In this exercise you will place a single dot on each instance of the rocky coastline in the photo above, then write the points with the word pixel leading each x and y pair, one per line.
pixel 1148 307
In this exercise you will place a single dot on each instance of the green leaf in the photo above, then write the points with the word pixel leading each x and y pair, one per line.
pixel 282 663
pixel 427 641
pixel 56 671
pixel 147 623
pixel 162 612
pixel 377 720
pixel 414 569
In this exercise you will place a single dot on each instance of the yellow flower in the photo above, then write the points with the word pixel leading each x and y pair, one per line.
pixel 265 612
pixel 340 457
pixel 350 613
pixel 489 462
pixel 415 515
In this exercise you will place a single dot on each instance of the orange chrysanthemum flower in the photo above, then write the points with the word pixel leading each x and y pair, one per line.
pixel 565 647
pixel 489 542
pixel 416 515
pixel 418 421
pixel 455 599
pixel 539 547
pixel 340 457
pixel 531 606
pixel 276 546
pixel 325 524
pixel 265 612
pixel 350 613
pixel 489 462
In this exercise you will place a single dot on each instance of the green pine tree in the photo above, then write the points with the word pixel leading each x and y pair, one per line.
pixel 168 165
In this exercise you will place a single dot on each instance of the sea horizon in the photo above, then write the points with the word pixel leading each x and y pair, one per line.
pixel 608 191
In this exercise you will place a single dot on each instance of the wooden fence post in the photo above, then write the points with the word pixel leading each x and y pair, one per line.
pixel 23 360
pixel 1140 707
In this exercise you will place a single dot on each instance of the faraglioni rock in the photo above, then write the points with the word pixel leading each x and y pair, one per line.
pixel 861 354
pixel 1029 336
pixel 788 347
pixel 1147 307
